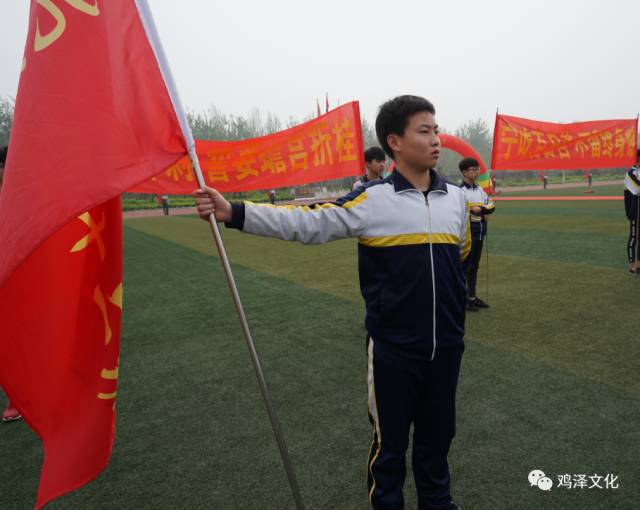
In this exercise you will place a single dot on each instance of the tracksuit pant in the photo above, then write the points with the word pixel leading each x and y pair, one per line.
pixel 405 391
pixel 471 266
pixel 632 244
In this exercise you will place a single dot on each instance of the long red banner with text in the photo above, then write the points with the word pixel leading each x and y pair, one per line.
pixel 523 144
pixel 328 147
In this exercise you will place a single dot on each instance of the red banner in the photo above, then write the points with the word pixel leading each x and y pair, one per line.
pixel 93 117
pixel 523 144
pixel 328 147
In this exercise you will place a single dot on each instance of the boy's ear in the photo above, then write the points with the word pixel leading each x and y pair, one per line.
pixel 394 141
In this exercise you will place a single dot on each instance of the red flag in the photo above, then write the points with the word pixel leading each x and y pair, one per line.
pixel 60 313
pixel 93 118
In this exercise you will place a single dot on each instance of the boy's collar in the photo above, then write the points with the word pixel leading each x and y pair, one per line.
pixel 400 182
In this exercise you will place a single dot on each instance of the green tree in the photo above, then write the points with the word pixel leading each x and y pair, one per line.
pixel 6 119
pixel 211 125
pixel 369 138
pixel 478 134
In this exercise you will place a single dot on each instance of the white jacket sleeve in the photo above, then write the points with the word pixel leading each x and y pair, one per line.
pixel 315 224
pixel 632 180
pixel 465 232
pixel 488 206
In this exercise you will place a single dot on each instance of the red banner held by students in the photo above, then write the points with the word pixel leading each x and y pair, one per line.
pixel 523 144
pixel 93 118
pixel 329 147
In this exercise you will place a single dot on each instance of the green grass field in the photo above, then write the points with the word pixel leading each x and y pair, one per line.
pixel 551 191
pixel 549 379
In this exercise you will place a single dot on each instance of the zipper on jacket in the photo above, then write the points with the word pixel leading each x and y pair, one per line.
pixel 433 275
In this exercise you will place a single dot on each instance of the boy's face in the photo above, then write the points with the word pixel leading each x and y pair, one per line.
pixel 375 166
pixel 419 146
pixel 471 173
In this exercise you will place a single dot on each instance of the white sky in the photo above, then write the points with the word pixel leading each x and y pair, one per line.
pixel 559 61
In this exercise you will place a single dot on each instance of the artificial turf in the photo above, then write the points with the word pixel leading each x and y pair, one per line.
pixel 605 190
pixel 549 379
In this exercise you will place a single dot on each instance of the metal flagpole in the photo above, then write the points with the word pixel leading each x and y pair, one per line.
pixel 154 39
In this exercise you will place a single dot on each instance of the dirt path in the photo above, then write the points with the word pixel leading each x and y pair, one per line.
pixel 149 213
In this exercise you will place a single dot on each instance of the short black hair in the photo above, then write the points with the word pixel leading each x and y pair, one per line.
pixel 3 155
pixel 393 117
pixel 467 163
pixel 374 153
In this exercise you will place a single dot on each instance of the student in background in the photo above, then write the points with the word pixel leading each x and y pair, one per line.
pixel 374 160
pixel 480 205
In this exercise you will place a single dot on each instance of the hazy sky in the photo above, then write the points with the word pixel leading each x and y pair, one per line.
pixel 562 60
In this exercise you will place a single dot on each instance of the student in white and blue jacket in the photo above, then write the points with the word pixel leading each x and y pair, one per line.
pixel 413 233
pixel 480 205
pixel 632 210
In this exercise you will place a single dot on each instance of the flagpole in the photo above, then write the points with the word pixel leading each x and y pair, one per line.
pixel 154 39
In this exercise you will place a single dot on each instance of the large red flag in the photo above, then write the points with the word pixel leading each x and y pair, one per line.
pixel 93 118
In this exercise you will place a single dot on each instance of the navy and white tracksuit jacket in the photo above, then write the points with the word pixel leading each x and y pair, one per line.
pixel 632 193
pixel 410 247
pixel 476 196
pixel 413 289
pixel 632 210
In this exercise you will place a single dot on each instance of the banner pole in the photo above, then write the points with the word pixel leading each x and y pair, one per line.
pixel 154 39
